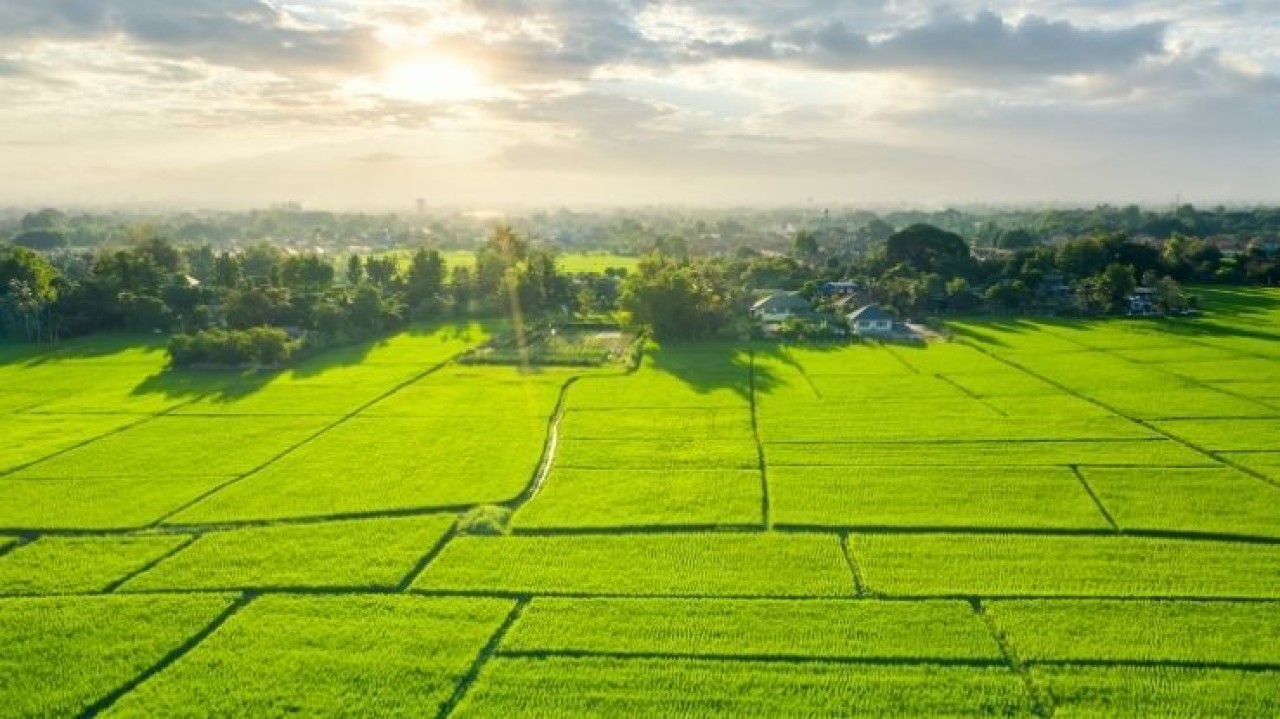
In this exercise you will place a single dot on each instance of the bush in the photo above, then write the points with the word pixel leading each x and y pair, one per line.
pixel 485 520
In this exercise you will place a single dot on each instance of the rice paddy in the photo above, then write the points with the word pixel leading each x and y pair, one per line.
pixel 1037 518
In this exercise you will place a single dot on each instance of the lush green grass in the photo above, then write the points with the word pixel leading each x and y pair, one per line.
pixel 645 497
pixel 1004 565
pixel 62 654
pixel 376 464
pixel 325 656
pixel 1160 691
pixel 169 447
pixel 938 496
pixel 520 687
pixel 1165 453
pixel 754 628
pixel 1157 631
pixel 359 554
pixel 1195 500
pixel 58 565
pixel 102 503
pixel 766 565
pixel 879 424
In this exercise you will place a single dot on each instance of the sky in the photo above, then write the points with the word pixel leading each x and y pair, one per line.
pixel 349 104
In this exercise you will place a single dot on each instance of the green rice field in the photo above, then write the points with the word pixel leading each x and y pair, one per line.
pixel 1036 518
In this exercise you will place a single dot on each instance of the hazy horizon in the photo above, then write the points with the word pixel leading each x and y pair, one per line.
pixel 337 104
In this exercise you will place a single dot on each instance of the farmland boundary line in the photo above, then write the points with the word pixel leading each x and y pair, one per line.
pixel 1141 422
pixel 236 525
pixel 169 658
pixel 859 582
pixel 113 586
pixel 970 394
pixel 421 565
pixel 548 457
pixel 710 528
pixel 766 509
pixel 21 539
pixel 486 653
pixel 264 590
pixel 123 428
pixel 752 658
pixel 1042 700
pixel 308 439
pixel 1097 501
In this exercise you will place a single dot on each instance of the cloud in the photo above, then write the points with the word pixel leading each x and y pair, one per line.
pixel 244 34
pixel 982 45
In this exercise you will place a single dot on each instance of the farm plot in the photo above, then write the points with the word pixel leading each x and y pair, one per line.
pixel 688 376
pixel 833 629
pixel 1188 632
pixel 713 564
pixel 1030 565
pixel 645 498
pixel 28 438
pixel 1227 435
pixel 477 391
pixel 932 496
pixel 109 503
pixel 167 447
pixel 1210 500
pixel 325 656
pixel 1265 463
pixel 65 565
pixel 370 464
pixel 376 553
pixel 1085 691
pixel 557 686
pixel 1165 453
pixel 63 654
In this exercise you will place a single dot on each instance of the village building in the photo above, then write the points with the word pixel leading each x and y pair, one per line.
pixel 871 320
pixel 777 308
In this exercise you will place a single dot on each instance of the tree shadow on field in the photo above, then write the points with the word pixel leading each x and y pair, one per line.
pixel 98 346
pixel 232 384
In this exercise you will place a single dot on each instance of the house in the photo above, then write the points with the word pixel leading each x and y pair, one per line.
pixel 870 320
pixel 780 306
pixel 840 289
pixel 1144 303
pixel 777 308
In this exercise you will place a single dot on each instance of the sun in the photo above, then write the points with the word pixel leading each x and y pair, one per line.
pixel 432 78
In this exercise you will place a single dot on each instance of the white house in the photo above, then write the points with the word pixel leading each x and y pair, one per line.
pixel 870 320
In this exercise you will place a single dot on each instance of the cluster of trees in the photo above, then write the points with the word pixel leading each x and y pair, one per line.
pixel 262 346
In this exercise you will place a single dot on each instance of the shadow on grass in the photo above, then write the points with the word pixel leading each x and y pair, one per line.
pixel 230 385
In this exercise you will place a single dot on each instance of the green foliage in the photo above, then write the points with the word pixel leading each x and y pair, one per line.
pixel 259 346
pixel 679 300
